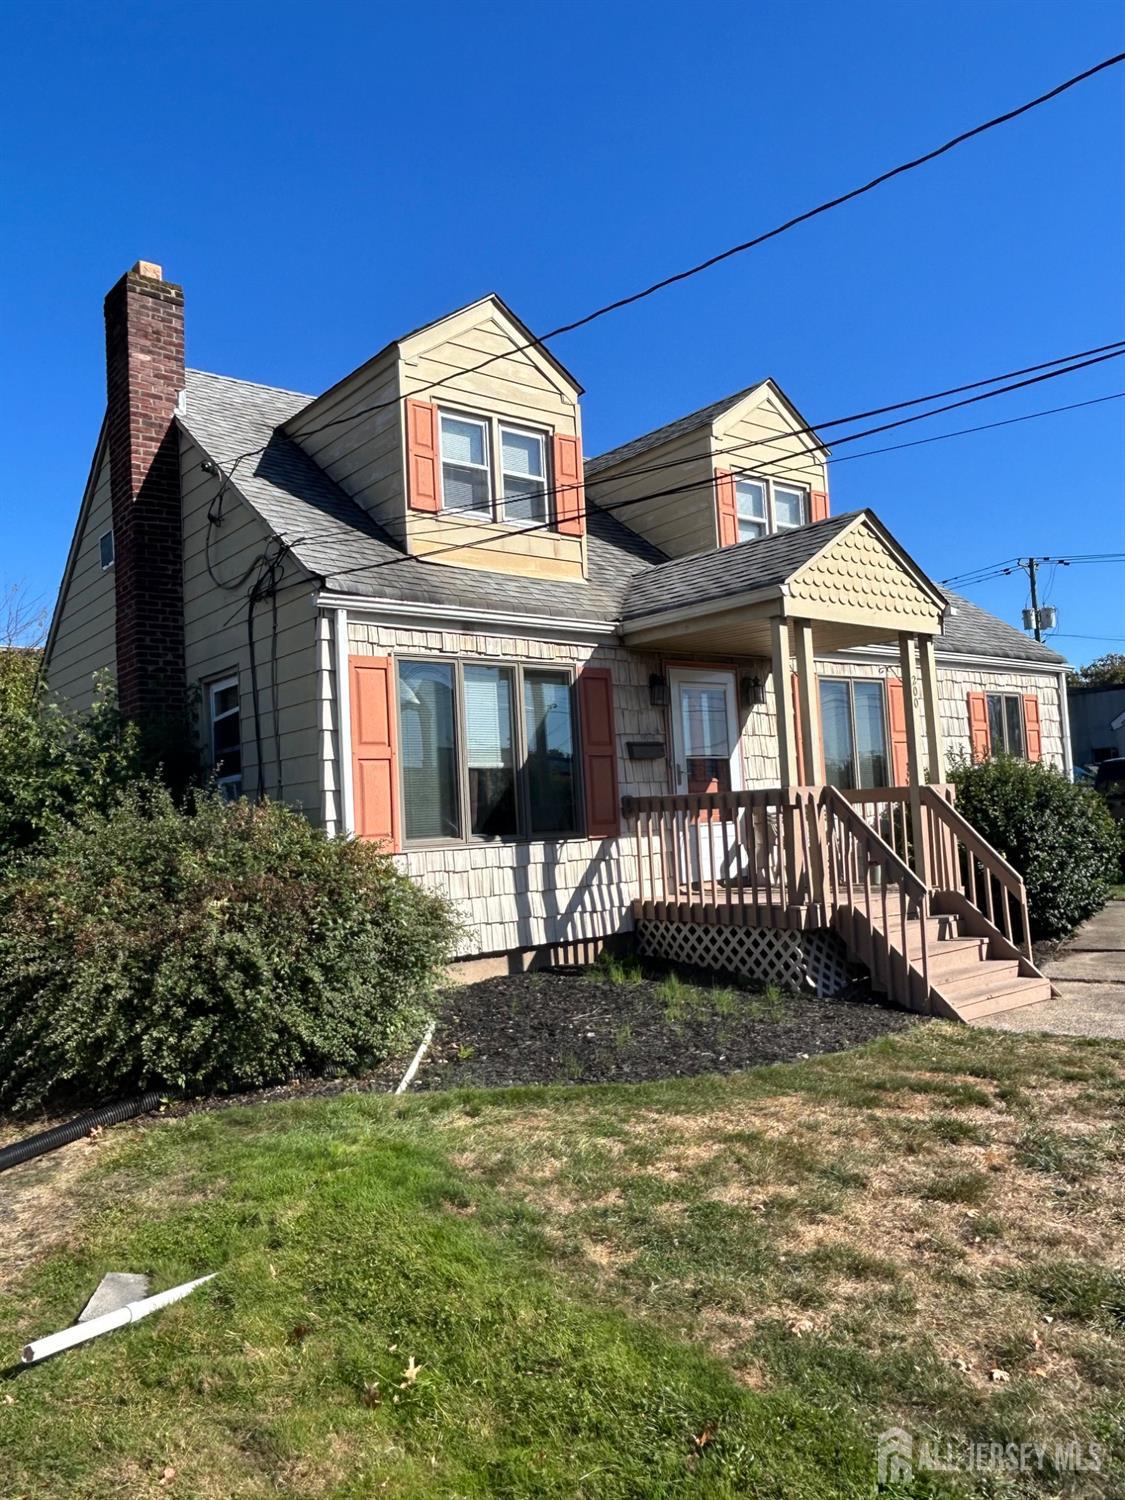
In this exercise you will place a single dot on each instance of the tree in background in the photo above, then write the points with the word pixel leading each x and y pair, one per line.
pixel 1109 668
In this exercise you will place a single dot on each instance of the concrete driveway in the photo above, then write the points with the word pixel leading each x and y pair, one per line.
pixel 1089 974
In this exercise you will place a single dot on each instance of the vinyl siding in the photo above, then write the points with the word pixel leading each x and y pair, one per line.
pixel 85 640
pixel 515 385
pixel 767 429
pixel 681 524
pixel 216 642
pixel 362 450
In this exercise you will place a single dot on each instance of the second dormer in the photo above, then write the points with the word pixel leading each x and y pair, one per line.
pixel 739 469
pixel 462 439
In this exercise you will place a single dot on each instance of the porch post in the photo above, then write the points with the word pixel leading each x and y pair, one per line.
pixel 783 704
pixel 914 751
pixel 810 706
pixel 935 745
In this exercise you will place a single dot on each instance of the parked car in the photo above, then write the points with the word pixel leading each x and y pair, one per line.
pixel 1110 781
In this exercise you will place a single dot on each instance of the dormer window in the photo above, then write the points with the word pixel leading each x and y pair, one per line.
pixel 765 505
pixel 493 469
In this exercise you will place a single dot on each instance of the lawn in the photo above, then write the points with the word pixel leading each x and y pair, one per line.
pixel 704 1287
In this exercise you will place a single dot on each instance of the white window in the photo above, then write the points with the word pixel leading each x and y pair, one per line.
pixel 764 505
pixel 105 548
pixel 493 469
pixel 466 474
pixel 226 736
pixel 1005 723
pixel 523 475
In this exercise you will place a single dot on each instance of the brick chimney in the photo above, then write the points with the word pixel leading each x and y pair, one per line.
pixel 144 334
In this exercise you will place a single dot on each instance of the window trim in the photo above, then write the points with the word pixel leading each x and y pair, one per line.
pixel 850 681
pixel 518 667
pixel 107 536
pixel 214 688
pixel 495 426
pixel 771 484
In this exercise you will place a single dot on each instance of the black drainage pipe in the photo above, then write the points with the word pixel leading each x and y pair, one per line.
pixel 62 1135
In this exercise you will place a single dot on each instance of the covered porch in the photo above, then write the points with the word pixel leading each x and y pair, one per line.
pixel 936 915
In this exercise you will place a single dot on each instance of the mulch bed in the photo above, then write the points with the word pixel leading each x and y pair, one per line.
pixel 564 1026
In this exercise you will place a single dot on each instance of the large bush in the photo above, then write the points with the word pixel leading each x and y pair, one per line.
pixel 213 947
pixel 53 766
pixel 1059 836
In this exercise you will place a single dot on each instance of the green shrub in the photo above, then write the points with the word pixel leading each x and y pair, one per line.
pixel 220 946
pixel 53 765
pixel 1059 836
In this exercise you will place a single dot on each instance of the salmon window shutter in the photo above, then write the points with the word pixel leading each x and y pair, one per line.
pixel 599 752
pixel 423 492
pixel 570 494
pixel 726 508
pixel 374 763
pixel 803 778
pixel 818 505
pixel 1032 729
pixel 980 738
pixel 900 748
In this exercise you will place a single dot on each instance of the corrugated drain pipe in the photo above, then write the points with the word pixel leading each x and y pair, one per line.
pixel 74 1130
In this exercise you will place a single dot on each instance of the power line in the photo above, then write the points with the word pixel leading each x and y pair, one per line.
pixel 674 490
pixel 538 340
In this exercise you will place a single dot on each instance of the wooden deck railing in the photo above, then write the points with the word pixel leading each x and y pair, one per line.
pixel 962 862
pixel 747 858
pixel 878 900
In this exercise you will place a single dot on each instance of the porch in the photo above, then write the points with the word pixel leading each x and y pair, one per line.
pixel 936 915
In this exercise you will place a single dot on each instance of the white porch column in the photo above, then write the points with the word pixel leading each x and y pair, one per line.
pixel 783 702
pixel 807 692
pixel 935 745
pixel 914 751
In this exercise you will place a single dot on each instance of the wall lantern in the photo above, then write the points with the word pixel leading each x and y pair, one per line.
pixel 753 692
pixel 658 691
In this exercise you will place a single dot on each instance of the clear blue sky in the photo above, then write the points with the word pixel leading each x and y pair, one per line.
pixel 323 176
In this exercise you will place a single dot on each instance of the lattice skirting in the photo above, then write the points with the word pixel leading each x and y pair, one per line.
pixel 793 960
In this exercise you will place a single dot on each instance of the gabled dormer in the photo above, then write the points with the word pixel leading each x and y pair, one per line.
pixel 463 439
pixel 743 467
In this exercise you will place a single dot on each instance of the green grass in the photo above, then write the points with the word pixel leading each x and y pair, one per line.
pixel 717 1287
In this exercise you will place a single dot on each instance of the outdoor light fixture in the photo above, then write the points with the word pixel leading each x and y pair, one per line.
pixel 753 692
pixel 658 691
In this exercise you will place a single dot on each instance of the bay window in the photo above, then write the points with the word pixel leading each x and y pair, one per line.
pixel 764 505
pixel 487 751
pixel 494 469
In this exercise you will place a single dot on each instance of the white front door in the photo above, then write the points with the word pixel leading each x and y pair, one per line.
pixel 705 746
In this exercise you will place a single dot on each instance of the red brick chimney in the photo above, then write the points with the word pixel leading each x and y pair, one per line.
pixel 144 335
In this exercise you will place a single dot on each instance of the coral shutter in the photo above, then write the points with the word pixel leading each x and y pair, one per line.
pixel 422 456
pixel 980 738
pixel 818 505
pixel 1033 733
pixel 726 508
pixel 570 495
pixel 599 752
pixel 802 774
pixel 900 749
pixel 374 768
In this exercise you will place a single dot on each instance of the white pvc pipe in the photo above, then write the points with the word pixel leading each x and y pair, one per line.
pixel 132 1312
pixel 408 1076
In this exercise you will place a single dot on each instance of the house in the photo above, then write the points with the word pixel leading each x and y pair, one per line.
pixel 668 690
pixel 1097 721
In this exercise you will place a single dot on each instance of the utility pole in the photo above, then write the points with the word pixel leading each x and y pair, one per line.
pixel 1031 573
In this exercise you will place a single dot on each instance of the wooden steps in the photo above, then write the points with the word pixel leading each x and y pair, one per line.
pixel 969 980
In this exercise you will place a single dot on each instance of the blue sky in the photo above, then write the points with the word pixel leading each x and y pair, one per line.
pixel 321 177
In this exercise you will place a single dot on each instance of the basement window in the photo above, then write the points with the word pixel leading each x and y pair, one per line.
pixel 226 736
pixel 105 548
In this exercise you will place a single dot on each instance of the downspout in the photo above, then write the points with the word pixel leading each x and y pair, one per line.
pixel 1064 715
pixel 344 724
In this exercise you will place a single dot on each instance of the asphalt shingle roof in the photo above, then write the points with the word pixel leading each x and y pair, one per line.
pixel 638 445
pixel 734 570
pixel 336 540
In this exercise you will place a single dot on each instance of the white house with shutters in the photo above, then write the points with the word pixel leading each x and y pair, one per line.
pixel 663 694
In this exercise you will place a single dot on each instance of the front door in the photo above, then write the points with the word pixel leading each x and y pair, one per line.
pixel 706 749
